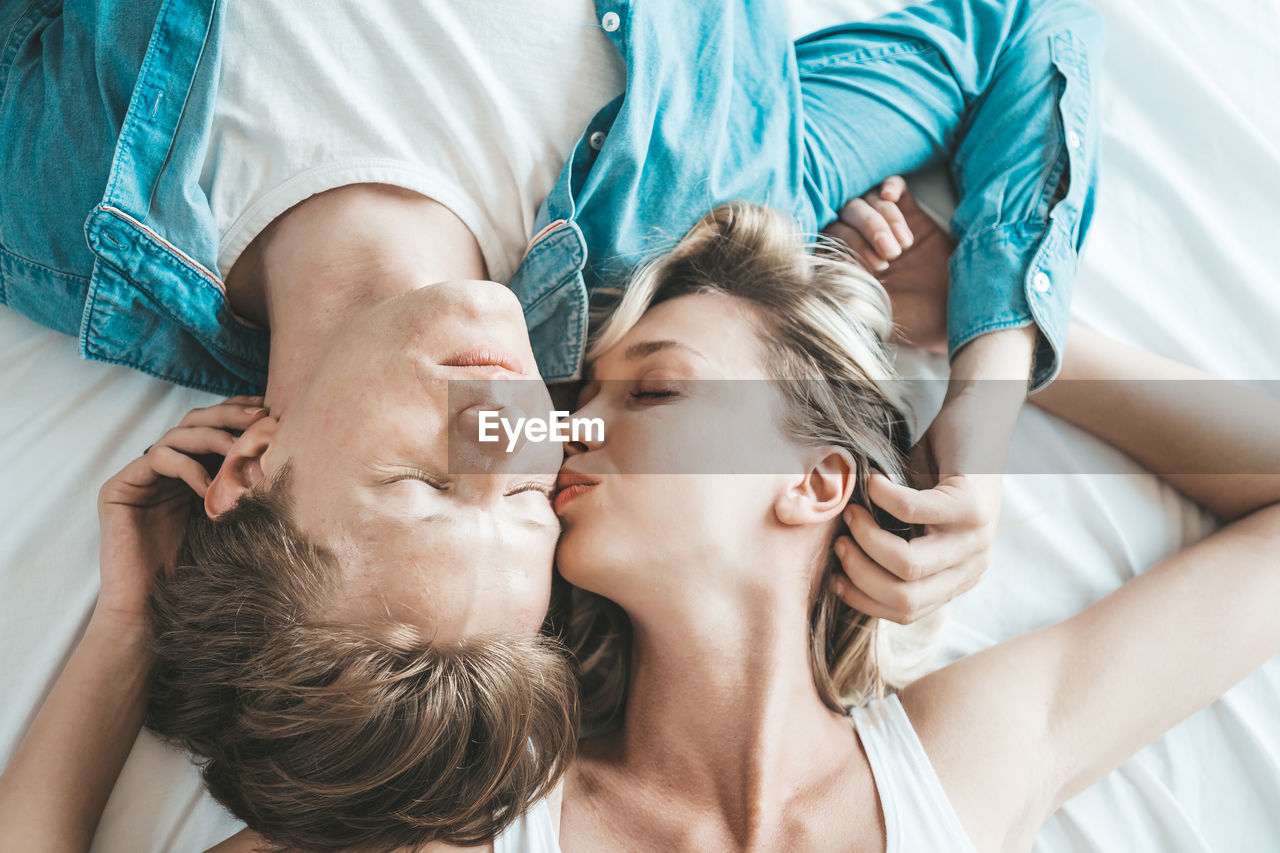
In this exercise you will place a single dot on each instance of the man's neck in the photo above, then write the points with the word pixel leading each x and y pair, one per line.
pixel 335 253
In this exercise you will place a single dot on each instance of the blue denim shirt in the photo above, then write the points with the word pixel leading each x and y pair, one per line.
pixel 105 108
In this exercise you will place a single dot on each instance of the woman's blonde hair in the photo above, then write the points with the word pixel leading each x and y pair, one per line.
pixel 825 322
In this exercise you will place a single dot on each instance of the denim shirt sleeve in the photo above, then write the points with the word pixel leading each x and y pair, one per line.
pixel 105 107
pixel 1003 91
pixel 1020 273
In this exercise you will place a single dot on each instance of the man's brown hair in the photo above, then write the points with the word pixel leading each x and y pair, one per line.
pixel 325 736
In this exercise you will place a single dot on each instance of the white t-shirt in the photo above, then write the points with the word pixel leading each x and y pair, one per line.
pixel 474 104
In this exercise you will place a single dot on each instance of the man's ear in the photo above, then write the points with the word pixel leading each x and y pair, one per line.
pixel 822 493
pixel 242 468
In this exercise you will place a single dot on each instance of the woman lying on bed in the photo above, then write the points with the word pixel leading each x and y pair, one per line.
pixel 729 648
pixel 730 662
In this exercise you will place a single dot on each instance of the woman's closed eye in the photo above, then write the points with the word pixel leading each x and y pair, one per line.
pixel 653 395
pixel 656 391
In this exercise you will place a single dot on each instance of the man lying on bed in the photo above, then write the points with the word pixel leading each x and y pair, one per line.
pixel 330 211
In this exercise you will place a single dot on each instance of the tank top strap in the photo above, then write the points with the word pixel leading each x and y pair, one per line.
pixel 917 813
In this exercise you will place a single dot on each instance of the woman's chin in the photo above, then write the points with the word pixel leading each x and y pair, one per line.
pixel 585 565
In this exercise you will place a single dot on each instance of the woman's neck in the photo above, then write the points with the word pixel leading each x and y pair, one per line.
pixel 723 712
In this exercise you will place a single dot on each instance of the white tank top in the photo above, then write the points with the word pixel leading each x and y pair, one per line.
pixel 474 104
pixel 917 814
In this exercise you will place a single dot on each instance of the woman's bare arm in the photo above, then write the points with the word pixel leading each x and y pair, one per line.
pixel 54 789
pixel 1017 729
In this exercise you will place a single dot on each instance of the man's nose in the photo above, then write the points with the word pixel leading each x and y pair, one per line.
pixel 505 436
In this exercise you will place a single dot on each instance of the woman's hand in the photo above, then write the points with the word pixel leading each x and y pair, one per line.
pixel 143 510
pixel 908 252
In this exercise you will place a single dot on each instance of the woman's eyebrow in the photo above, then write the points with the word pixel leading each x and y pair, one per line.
pixel 644 348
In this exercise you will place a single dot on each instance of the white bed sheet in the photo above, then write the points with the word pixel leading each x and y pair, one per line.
pixel 1182 261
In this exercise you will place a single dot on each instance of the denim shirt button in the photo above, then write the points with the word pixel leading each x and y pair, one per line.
pixel 596 140
pixel 1040 282
pixel 610 21
pixel 1073 139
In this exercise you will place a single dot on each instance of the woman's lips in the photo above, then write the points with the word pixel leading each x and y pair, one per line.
pixel 569 485
pixel 485 357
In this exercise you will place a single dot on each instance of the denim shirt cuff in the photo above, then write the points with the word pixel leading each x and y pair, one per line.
pixel 1012 276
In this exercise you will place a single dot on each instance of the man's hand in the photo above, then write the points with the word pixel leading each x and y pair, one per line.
pixel 956 469
pixel 143 510
pixel 908 252
pixel 956 476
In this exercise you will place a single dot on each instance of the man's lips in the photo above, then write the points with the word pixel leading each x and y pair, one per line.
pixel 569 485
pixel 484 357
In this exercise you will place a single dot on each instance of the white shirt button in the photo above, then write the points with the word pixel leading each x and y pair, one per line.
pixel 1040 282
pixel 1073 139
pixel 610 21
pixel 596 140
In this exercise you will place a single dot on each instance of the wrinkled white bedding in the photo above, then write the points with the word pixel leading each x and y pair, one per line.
pixel 1182 261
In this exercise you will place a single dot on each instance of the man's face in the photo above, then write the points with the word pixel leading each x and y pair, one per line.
pixel 377 443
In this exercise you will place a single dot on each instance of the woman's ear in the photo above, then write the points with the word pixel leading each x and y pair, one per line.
pixel 823 492
pixel 242 468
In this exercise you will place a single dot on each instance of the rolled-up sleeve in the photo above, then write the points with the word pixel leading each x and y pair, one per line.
pixel 1020 238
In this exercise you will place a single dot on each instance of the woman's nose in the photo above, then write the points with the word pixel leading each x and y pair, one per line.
pixel 592 434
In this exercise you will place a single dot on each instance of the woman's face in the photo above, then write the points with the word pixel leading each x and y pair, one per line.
pixel 428 524
pixel 658 496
